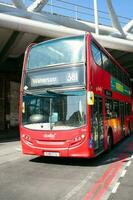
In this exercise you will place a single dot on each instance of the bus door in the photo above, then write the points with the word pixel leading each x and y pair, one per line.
pixel 122 116
pixel 97 125
pixel 112 117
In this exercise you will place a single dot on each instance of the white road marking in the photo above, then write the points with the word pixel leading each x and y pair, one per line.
pixel 18 149
pixel 78 187
pixel 116 187
pixel 128 163
pixel 123 173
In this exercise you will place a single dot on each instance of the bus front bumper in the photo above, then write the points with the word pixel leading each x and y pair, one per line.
pixel 80 151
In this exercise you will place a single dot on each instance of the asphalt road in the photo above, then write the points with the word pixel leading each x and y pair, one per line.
pixel 25 177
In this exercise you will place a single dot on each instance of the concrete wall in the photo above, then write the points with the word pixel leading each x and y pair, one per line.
pixel 14 103
pixel 2 104
pixel 9 100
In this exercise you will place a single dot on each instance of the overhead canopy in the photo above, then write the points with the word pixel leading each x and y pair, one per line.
pixel 20 26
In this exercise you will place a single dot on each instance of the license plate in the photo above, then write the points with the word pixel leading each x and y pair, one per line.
pixel 55 154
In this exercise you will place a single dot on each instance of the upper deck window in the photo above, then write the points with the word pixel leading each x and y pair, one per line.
pixel 96 54
pixel 70 50
pixel 103 60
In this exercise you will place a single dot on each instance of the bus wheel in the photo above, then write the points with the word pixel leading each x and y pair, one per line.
pixel 110 140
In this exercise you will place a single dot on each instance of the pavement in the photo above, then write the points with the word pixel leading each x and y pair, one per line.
pixel 122 189
pixel 10 147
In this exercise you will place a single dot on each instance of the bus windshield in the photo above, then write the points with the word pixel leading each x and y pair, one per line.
pixel 54 111
pixel 61 51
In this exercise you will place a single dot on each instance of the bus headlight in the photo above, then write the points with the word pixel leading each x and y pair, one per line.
pixel 77 140
pixel 27 139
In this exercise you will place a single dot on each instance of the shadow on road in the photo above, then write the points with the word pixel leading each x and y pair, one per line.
pixel 120 152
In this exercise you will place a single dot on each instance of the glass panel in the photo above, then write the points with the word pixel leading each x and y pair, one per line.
pixel 108 108
pixel 96 54
pixel 127 81
pixel 97 127
pixel 115 112
pixel 119 74
pixel 114 71
pixel 107 64
pixel 100 106
pixel 57 111
pixel 127 109
pixel 94 123
pixel 56 52
pixel 121 78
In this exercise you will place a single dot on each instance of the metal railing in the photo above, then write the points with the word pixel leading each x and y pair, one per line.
pixel 74 11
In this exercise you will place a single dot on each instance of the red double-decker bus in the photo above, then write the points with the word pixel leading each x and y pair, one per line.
pixel 75 99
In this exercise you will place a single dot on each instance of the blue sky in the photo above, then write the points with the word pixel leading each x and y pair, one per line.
pixel 122 7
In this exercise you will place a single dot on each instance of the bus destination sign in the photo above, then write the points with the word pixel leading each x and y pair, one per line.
pixel 65 77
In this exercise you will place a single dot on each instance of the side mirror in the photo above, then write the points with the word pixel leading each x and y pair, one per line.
pixel 90 98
